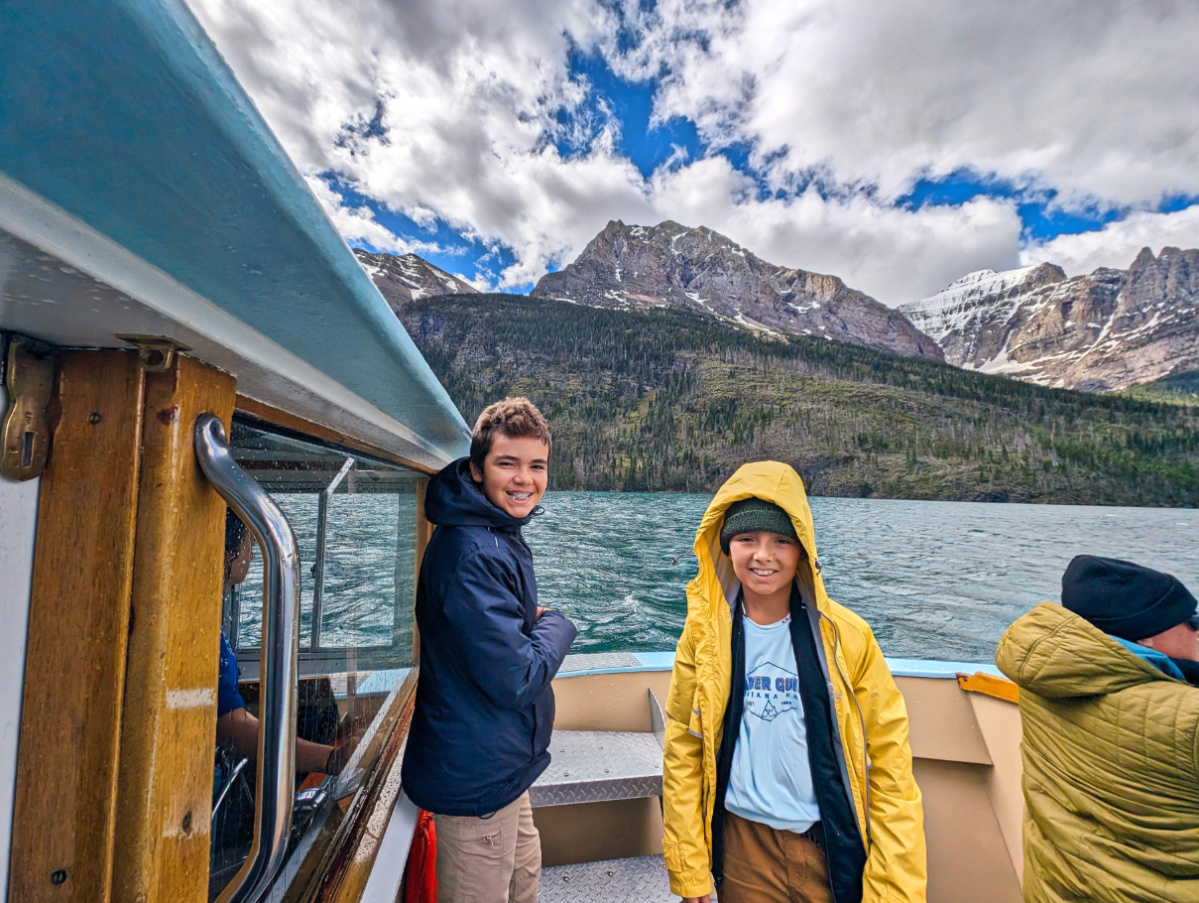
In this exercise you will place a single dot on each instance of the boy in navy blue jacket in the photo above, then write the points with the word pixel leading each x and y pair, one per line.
pixel 484 708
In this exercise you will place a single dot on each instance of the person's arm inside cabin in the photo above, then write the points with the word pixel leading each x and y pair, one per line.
pixel 237 727
pixel 510 668
pixel 240 729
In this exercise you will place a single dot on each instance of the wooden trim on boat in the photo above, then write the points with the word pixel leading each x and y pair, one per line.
pixel 164 790
pixel 989 685
pixel 345 876
pixel 280 418
pixel 64 821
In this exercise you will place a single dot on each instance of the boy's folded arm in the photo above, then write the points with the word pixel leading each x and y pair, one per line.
pixel 551 636
pixel 896 869
pixel 509 668
pixel 681 695
pixel 684 845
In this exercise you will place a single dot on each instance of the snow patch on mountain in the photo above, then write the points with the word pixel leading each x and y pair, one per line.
pixel 698 269
pixel 408 277
pixel 1103 331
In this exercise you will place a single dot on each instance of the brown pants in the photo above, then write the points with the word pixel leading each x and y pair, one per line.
pixel 489 860
pixel 765 865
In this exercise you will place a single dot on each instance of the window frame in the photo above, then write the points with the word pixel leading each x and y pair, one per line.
pixel 317 660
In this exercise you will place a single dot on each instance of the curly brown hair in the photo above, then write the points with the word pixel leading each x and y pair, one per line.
pixel 516 418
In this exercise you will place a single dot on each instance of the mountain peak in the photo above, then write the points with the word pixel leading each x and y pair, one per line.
pixel 1143 259
pixel 408 277
pixel 673 265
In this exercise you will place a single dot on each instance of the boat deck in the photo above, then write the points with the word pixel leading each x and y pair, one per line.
pixel 598 810
pixel 595 766
pixel 640 879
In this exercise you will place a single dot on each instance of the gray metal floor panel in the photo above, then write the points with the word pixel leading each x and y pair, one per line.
pixel 592 766
pixel 598 661
pixel 641 879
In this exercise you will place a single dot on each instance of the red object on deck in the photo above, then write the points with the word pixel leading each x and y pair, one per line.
pixel 420 874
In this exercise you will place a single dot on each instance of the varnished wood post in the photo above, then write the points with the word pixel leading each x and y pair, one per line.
pixel 65 806
pixel 164 797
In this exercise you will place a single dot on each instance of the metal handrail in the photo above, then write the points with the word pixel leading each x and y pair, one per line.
pixel 280 641
pixel 237 770
pixel 318 567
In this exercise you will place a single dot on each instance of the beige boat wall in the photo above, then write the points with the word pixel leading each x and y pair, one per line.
pixel 966 745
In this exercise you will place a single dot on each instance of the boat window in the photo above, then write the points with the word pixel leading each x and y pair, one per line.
pixel 355 522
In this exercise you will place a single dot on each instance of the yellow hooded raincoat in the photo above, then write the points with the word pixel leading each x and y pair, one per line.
pixel 870 713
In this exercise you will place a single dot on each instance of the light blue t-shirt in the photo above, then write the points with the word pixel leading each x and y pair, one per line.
pixel 771 780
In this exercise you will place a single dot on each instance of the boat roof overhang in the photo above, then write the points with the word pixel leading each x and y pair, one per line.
pixel 141 193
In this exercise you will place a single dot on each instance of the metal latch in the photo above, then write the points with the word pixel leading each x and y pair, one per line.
pixel 29 380
pixel 156 352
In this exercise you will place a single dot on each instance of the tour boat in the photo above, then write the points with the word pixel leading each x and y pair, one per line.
pixel 184 329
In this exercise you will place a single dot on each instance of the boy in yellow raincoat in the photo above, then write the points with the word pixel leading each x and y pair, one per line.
pixel 788 774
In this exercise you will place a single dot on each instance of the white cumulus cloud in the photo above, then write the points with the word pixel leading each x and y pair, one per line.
pixel 889 252
pixel 1088 97
pixel 1117 244
pixel 451 113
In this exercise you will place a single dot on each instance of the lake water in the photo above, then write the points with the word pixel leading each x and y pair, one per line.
pixel 936 580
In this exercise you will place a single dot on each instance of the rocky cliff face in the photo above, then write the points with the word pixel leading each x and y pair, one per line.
pixel 670 265
pixel 409 278
pixel 1101 332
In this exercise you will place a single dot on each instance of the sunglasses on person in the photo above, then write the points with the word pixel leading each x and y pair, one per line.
pixel 1193 622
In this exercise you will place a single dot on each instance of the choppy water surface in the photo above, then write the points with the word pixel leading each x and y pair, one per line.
pixel 936 580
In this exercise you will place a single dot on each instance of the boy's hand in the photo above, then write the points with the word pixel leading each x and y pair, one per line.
pixel 541 609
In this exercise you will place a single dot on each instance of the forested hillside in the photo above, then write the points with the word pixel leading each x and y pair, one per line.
pixel 1182 388
pixel 670 400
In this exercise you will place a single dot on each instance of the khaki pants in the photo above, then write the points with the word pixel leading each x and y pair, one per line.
pixel 765 865
pixel 489 860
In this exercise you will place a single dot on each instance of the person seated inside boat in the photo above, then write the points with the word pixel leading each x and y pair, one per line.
pixel 787 772
pixel 236 726
pixel 1110 712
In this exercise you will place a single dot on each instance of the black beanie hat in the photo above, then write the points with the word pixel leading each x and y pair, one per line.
pixel 1125 599
pixel 753 514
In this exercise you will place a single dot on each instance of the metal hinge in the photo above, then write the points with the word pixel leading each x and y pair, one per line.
pixel 29 381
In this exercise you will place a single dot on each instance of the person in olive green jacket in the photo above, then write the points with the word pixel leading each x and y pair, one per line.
pixel 1110 716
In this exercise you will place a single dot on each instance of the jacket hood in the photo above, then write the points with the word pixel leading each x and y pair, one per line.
pixel 454 499
pixel 771 481
pixel 1059 655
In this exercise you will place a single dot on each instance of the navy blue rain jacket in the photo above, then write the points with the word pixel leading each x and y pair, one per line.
pixel 484 708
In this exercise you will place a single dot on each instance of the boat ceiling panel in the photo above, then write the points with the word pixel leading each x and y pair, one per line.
pixel 127 132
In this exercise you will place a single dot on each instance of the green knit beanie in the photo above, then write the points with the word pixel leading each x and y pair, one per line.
pixel 751 515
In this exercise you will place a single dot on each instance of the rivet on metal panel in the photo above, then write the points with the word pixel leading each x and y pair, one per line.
pixel 29 380
pixel 156 352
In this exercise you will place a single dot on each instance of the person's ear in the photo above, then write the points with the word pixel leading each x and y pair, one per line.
pixel 476 474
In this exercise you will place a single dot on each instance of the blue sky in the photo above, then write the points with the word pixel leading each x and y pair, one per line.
pixel 438 242
pixel 898 146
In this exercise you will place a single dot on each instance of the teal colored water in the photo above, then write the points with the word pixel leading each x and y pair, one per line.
pixel 936 580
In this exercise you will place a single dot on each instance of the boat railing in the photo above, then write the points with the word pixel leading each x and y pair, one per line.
pixel 280 641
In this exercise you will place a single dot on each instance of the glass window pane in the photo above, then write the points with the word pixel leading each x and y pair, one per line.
pixel 355 522
pixel 360 570
pixel 300 509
